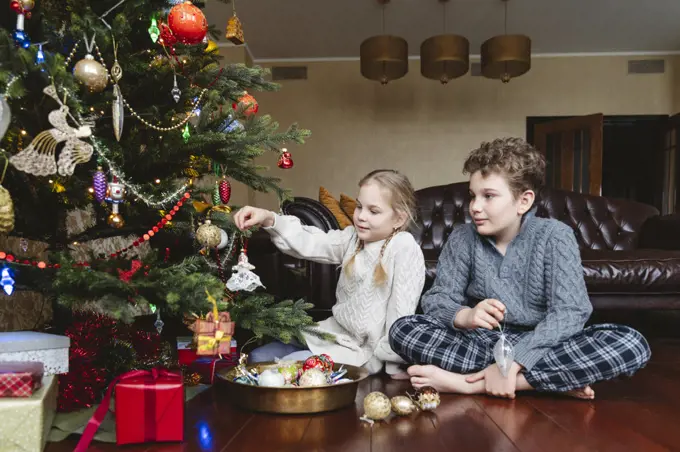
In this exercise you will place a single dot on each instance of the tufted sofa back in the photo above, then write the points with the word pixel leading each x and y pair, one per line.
pixel 599 223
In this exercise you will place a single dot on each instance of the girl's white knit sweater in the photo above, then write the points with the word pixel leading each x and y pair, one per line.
pixel 364 311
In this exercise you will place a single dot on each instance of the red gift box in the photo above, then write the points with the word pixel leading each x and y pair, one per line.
pixel 186 356
pixel 20 379
pixel 149 408
pixel 206 367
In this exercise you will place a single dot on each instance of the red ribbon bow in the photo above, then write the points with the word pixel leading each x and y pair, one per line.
pixel 127 275
pixel 98 416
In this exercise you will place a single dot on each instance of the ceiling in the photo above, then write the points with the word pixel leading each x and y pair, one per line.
pixel 324 29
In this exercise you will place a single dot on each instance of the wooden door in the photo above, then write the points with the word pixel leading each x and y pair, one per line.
pixel 670 199
pixel 573 151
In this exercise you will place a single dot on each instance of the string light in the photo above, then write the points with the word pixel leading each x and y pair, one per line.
pixel 7 281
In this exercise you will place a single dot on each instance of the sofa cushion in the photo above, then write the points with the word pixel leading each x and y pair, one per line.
pixel 333 205
pixel 635 271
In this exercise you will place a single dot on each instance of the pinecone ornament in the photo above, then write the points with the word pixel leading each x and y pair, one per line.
pixel 216 195
pixel 99 184
pixel 225 190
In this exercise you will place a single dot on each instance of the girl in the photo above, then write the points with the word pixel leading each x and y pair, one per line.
pixel 382 276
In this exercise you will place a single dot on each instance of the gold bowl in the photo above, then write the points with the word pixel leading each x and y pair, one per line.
pixel 290 400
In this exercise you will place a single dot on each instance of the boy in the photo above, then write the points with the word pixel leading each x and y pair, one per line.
pixel 510 269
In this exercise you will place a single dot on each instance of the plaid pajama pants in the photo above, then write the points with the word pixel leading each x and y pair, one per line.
pixel 599 352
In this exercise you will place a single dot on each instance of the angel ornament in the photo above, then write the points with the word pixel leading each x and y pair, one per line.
pixel 39 158
pixel 243 277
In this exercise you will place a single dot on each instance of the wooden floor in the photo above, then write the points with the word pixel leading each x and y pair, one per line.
pixel 638 414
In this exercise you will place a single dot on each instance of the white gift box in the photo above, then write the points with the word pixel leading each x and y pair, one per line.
pixel 25 422
pixel 49 349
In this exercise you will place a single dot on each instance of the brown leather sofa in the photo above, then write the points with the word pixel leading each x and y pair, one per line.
pixel 630 254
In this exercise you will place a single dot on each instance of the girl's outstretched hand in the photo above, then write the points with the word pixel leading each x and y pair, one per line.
pixel 248 216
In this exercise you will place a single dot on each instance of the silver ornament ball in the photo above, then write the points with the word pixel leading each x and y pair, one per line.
pixel 91 74
pixel 224 240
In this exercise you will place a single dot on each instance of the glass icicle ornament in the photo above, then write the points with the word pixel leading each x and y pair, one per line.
pixel 503 353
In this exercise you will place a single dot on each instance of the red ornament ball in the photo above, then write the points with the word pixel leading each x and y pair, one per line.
pixel 249 103
pixel 285 161
pixel 188 23
pixel 312 362
pixel 322 362
pixel 16 7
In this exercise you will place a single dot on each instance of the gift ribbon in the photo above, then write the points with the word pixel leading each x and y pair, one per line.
pixel 212 343
pixel 149 389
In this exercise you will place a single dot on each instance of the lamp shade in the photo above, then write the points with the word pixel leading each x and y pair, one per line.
pixel 444 57
pixel 384 58
pixel 506 56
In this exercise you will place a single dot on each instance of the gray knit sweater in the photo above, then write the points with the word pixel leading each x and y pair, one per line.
pixel 539 280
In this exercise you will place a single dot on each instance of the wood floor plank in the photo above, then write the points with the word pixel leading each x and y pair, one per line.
pixel 341 430
pixel 463 425
pixel 605 425
pixel 270 432
pixel 529 429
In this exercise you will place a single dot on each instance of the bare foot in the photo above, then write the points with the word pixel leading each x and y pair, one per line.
pixel 442 380
pixel 400 376
pixel 586 393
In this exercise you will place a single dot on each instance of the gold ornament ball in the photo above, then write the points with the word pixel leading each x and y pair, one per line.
pixel 91 74
pixel 6 211
pixel 428 398
pixel 208 235
pixel 27 4
pixel 116 220
pixel 377 406
pixel 402 405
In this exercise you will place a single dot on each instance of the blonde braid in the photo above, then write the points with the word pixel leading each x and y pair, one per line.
pixel 379 274
pixel 350 263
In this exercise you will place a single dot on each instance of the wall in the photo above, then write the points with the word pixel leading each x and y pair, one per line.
pixel 425 129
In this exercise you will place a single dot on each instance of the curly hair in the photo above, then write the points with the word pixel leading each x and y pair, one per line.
pixel 522 165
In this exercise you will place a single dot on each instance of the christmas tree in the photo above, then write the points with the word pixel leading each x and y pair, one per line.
pixel 112 114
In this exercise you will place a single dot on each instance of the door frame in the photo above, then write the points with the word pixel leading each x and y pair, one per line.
pixel 608 120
